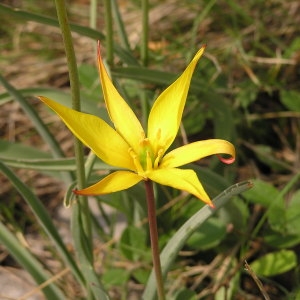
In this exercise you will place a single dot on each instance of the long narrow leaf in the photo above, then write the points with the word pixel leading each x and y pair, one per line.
pixel 52 93
pixel 178 240
pixel 29 263
pixel 34 117
pixel 63 164
pixel 120 25
pixel 126 56
pixel 38 123
pixel 93 280
pixel 20 156
pixel 44 219
pixel 32 91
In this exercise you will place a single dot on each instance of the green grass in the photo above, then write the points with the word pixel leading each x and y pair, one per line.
pixel 244 90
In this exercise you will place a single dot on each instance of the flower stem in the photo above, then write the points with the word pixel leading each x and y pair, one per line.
pixel 154 238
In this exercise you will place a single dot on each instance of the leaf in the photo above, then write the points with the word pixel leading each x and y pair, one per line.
pixel 208 236
pixel 133 243
pixel 292 48
pixel 277 215
pixel 293 215
pixel 186 295
pixel 291 100
pixel 141 275
pixel 48 92
pixel 275 263
pixel 115 277
pixel 20 156
pixel 235 212
pixel 262 193
pixel 10 150
pixel 267 195
pixel 280 241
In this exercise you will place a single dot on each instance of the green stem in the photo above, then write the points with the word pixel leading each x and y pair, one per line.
pixel 109 31
pixel 93 20
pixel 93 14
pixel 144 55
pixel 75 92
pixel 145 24
pixel 154 239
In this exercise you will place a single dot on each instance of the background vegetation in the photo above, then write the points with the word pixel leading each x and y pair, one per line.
pixel 245 90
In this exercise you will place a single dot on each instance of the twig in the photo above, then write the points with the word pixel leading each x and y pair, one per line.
pixel 257 281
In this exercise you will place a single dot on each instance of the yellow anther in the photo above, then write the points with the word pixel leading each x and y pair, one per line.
pixel 136 161
pixel 158 158
pixel 145 143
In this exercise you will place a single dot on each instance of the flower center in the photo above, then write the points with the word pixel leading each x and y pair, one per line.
pixel 146 160
pixel 146 155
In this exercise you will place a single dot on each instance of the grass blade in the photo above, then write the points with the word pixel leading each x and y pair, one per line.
pixel 126 56
pixel 120 25
pixel 44 219
pixel 38 124
pixel 29 263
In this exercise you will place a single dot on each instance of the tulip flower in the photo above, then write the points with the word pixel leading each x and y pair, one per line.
pixel 141 155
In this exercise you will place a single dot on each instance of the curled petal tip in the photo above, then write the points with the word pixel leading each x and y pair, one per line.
pixel 227 161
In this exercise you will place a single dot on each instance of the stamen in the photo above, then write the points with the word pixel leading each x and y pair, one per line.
pixel 136 161
pixel 158 158
pixel 145 142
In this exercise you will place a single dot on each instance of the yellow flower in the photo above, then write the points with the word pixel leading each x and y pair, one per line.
pixel 142 156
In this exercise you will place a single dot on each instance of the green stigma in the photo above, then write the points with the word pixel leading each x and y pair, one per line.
pixel 146 155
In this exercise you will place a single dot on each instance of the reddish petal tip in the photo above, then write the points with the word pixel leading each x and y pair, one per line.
pixel 227 161
pixel 211 205
pixel 76 192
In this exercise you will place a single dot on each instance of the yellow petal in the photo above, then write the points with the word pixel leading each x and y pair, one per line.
pixel 166 113
pixel 197 150
pixel 114 182
pixel 185 180
pixel 95 134
pixel 123 118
